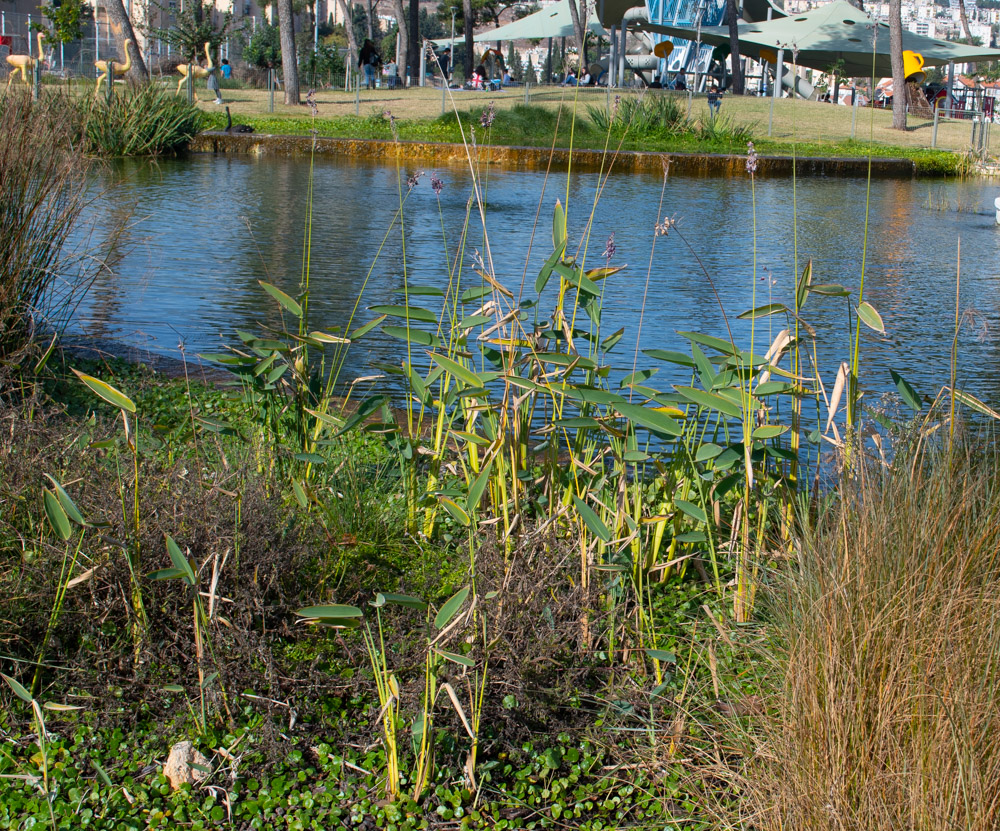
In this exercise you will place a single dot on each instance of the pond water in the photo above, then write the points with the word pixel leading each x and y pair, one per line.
pixel 205 229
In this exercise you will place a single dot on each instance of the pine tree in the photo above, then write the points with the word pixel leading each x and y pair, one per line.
pixel 514 65
pixel 529 76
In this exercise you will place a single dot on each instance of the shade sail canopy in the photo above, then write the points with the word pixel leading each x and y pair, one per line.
pixel 551 22
pixel 834 32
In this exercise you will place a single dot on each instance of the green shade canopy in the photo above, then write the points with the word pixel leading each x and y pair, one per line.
pixel 551 22
pixel 834 32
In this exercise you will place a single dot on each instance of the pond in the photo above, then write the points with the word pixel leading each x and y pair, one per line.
pixel 205 229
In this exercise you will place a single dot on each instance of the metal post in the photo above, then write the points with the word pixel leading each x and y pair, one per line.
pixel 527 91
pixel 423 64
pixel 950 85
pixel 612 73
pixel 451 51
pixel 97 38
pixel 854 115
pixel 621 54
pixel 3 23
pixel 937 113
pixel 444 94
pixel 357 98
pixel 111 81
pixel 270 90
pixel 778 68
pixel 36 79
pixel 190 83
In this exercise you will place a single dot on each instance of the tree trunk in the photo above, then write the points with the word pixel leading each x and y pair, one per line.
pixel 469 47
pixel 352 42
pixel 579 16
pixel 289 59
pixel 896 56
pixel 404 36
pixel 732 12
pixel 413 48
pixel 968 32
pixel 371 23
pixel 121 28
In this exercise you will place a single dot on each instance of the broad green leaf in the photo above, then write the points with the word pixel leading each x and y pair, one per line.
pixel 611 340
pixel 411 312
pixel 478 487
pixel 696 513
pixel 661 655
pixel 561 359
pixel 558 226
pixel 425 291
pixel 457 511
pixel 721 345
pixel 668 355
pixel 712 400
pixel 56 515
pixel 475 293
pixel 387 599
pixel 180 561
pixel 593 395
pixel 310 458
pixel 450 608
pixel 578 423
pixel 67 504
pixel 325 337
pixel 909 395
pixel 550 263
pixel 763 311
pixel 707 452
pixel 458 659
pixel 870 317
pixel 706 372
pixel 574 276
pixel 472 321
pixel 286 301
pixel 804 285
pixel 361 331
pixel 365 409
pixel 773 388
pixel 830 290
pixel 650 419
pixel 173 688
pixel 458 370
pixel 300 494
pixel 19 691
pixel 768 431
pixel 640 376
pixel 167 574
pixel 417 336
pixel 106 392
pixel 592 520
pixel 970 400
pixel 334 612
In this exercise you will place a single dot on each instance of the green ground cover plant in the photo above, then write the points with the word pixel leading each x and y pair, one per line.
pixel 539 587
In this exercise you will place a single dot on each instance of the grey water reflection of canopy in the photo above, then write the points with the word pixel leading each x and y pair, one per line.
pixel 834 32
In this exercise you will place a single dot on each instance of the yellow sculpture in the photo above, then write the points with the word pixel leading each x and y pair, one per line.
pixel 24 63
pixel 913 67
pixel 197 71
pixel 120 68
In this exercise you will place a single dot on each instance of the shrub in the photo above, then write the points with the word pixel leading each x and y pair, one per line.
pixel 140 121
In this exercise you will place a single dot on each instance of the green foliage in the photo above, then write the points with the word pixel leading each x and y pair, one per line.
pixel 263 48
pixel 139 121
pixel 194 26
pixel 68 18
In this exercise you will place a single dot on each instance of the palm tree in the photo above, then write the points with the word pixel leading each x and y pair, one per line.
pixel 289 58
pixel 896 56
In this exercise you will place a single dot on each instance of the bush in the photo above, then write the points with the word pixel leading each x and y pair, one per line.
pixel 140 121
pixel 42 187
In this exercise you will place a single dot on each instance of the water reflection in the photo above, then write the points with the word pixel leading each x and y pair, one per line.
pixel 207 229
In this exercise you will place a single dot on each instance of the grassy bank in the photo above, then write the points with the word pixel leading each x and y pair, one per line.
pixel 544 126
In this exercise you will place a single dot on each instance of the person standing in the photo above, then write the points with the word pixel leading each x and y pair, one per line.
pixel 213 84
pixel 227 70
pixel 369 60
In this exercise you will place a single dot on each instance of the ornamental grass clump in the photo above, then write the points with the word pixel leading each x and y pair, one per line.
pixel 882 668
pixel 139 121
pixel 42 199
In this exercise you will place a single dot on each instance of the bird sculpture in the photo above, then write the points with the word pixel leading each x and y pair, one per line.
pixel 24 63
pixel 119 68
pixel 236 128
pixel 197 71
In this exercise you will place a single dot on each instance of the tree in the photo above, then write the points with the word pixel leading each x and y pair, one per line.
pixel 194 27
pixel 580 18
pixel 514 65
pixel 467 27
pixel 352 43
pixel 289 65
pixel 403 29
pixel 413 42
pixel 896 56
pixel 264 47
pixel 67 19
pixel 121 28
pixel 965 28
pixel 733 16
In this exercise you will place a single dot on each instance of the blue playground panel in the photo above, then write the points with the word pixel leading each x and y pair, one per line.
pixel 685 13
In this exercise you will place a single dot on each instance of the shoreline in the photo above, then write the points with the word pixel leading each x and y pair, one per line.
pixel 540 158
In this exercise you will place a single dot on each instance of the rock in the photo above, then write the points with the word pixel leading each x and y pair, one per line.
pixel 178 767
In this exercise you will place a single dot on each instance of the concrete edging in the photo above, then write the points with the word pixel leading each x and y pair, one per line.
pixel 534 158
